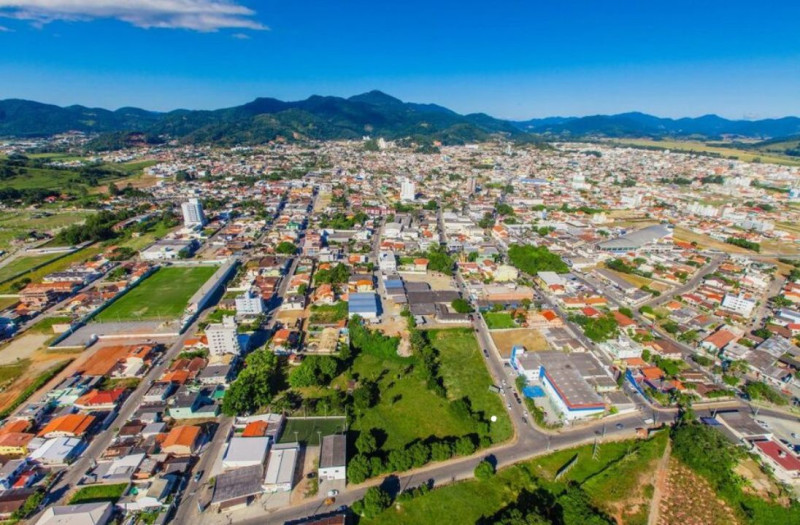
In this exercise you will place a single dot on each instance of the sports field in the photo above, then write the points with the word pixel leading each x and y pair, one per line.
pixel 163 295
pixel 309 430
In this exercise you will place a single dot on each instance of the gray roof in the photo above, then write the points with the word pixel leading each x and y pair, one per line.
pixel 334 451
pixel 238 483
pixel 636 239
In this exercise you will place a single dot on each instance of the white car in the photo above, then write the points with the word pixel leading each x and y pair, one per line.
pixel 332 493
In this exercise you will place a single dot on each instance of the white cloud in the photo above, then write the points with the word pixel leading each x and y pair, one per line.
pixel 4 29
pixel 196 15
pixel 241 36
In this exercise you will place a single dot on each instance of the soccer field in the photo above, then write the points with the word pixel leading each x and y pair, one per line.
pixel 309 430
pixel 163 295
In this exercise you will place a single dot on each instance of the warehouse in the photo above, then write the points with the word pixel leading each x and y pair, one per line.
pixel 245 452
pixel 630 242
pixel 281 467
pixel 365 305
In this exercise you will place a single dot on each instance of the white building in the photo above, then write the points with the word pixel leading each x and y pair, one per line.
pixel 222 337
pixel 245 452
pixel 193 214
pixel 387 262
pixel 94 513
pixel 408 191
pixel 333 458
pixel 281 467
pixel 739 304
pixel 249 303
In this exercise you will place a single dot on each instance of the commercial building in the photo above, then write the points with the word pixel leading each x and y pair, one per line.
pixel 193 214
pixel 281 467
pixel 408 190
pixel 571 381
pixel 83 513
pixel 739 304
pixel 633 241
pixel 223 337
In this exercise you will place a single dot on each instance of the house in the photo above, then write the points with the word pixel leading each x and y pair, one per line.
pixel 57 451
pixel 70 425
pixel 100 399
pixel 245 452
pixel 13 500
pixel 81 514
pixel 333 458
pixel 785 465
pixel 15 443
pixel 182 440
pixel 717 341
pixel 10 471
pixel 192 405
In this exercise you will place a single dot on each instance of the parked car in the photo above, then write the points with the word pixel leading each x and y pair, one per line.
pixel 198 475
pixel 332 493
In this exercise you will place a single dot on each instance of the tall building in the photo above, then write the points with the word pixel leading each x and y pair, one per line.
pixel 193 214
pixel 408 191
pixel 249 303
pixel 222 337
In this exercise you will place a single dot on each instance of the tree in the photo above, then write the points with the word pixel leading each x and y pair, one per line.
pixel 375 501
pixel 286 248
pixel 461 306
pixel 400 460
pixel 358 469
pixel 366 442
pixel 365 396
pixel 484 470
pixel 464 446
pixel 441 451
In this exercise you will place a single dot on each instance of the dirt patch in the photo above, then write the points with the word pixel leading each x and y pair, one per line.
pixel 22 348
pixel 689 499
pixel 437 281
pixel 760 484
pixel 533 340
pixel 305 487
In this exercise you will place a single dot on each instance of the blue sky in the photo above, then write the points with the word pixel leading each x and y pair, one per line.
pixel 508 58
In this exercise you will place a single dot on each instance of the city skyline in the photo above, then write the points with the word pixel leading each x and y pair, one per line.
pixel 513 61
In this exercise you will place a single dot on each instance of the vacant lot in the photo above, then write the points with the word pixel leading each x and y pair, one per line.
pixel 163 295
pixel 530 338
pixel 499 320
pixel 22 347
pixel 56 266
pixel 94 493
pixel 465 374
pixel 308 431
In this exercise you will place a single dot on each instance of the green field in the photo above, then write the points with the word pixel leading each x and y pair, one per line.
pixel 163 295
pixel 23 264
pixel 94 493
pixel 307 430
pixel 465 374
pixel 610 478
pixel 56 266
pixel 499 320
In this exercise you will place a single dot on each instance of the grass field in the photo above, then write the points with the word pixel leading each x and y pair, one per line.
pixel 687 146
pixel 617 475
pixel 465 374
pixel 163 295
pixel 93 493
pixel 499 320
pixel 307 429
pixel 22 264
pixel 56 266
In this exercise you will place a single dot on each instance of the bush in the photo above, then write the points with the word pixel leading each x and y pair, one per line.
pixel 484 470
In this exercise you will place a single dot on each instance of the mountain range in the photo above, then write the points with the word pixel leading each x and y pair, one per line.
pixel 373 113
